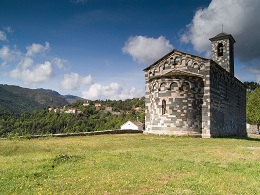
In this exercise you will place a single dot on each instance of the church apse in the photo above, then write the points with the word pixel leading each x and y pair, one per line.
pixel 174 96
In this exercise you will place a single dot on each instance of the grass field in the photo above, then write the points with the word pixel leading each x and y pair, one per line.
pixel 130 164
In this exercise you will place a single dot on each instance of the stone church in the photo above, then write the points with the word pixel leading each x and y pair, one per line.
pixel 191 95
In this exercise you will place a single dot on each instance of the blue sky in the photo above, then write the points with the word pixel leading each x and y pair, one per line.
pixel 97 49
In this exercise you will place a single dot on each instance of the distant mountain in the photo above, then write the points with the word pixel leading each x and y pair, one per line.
pixel 49 91
pixel 16 99
pixel 68 98
pixel 72 98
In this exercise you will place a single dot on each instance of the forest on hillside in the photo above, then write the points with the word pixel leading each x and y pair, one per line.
pixel 20 100
pixel 87 118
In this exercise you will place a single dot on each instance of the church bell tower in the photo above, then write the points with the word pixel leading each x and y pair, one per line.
pixel 222 47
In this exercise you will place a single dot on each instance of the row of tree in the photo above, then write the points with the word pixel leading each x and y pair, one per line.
pixel 253 107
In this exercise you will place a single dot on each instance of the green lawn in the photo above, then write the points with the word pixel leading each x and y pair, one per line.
pixel 130 164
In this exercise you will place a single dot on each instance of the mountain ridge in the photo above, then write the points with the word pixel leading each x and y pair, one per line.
pixel 16 99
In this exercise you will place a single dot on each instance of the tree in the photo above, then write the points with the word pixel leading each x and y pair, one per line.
pixel 253 107
pixel 251 86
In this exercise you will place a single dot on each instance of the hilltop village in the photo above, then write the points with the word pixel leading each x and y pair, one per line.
pixel 98 107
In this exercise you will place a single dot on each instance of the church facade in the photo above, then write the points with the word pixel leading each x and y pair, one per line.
pixel 191 95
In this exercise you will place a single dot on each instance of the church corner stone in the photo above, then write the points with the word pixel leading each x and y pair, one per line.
pixel 191 95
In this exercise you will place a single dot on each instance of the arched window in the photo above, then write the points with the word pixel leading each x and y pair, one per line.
pixel 163 87
pixel 174 86
pixel 163 107
pixel 220 49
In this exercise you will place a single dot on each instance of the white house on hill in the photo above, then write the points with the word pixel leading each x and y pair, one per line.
pixel 134 125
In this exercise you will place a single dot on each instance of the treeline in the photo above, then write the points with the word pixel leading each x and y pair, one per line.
pixel 251 86
pixel 88 119
pixel 253 106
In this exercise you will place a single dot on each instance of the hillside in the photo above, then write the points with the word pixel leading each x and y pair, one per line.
pixel 68 98
pixel 73 99
pixel 16 99
pixel 74 117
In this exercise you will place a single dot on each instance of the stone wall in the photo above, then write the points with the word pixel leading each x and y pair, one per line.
pixel 228 104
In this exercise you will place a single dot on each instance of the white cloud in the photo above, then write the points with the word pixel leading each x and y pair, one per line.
pixel 87 80
pixel 146 50
pixel 3 36
pixel 239 18
pixel 60 63
pixel 25 63
pixel 35 74
pixel 112 91
pixel 26 69
pixel 35 48
pixel 73 81
pixel 7 55
pixel 8 29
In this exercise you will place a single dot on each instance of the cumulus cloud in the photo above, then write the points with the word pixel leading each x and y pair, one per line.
pixel 34 74
pixel 113 91
pixel 26 69
pixel 25 63
pixel 3 36
pixel 35 48
pixel 7 55
pixel 70 81
pixel 239 18
pixel 60 63
pixel 73 81
pixel 29 67
pixel 146 50
pixel 87 80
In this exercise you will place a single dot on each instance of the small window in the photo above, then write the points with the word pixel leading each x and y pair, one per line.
pixel 163 107
pixel 162 87
pixel 220 49
pixel 174 86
